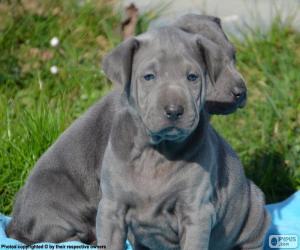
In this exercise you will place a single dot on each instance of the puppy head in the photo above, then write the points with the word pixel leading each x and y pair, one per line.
pixel 227 90
pixel 163 73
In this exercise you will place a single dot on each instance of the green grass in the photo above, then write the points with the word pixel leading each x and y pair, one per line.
pixel 36 106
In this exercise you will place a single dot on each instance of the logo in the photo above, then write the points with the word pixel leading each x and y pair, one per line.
pixel 288 241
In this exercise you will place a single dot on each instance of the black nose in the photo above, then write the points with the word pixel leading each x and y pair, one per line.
pixel 173 112
pixel 239 93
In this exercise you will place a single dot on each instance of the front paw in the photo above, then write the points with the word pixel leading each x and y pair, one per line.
pixel 110 226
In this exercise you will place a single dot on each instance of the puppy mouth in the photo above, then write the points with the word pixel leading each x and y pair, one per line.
pixel 241 103
pixel 169 134
pixel 174 131
pixel 224 108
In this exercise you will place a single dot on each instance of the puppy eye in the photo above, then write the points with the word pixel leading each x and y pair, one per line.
pixel 192 77
pixel 149 77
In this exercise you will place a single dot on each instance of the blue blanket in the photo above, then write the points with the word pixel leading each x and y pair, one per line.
pixel 284 233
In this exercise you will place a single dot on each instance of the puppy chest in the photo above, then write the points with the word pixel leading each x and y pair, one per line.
pixel 151 171
pixel 156 189
pixel 151 178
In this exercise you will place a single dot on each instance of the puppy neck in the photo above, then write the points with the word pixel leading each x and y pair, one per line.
pixel 185 149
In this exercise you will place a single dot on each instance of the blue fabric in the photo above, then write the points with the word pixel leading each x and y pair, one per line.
pixel 285 221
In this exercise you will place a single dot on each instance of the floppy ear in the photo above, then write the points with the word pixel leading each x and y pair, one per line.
pixel 117 65
pixel 213 19
pixel 212 56
pixel 194 23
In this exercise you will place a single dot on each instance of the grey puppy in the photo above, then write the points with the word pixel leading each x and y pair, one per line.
pixel 168 180
pixel 227 90
pixel 60 198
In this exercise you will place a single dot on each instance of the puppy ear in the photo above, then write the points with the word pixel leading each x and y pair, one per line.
pixel 117 65
pixel 195 24
pixel 213 19
pixel 212 56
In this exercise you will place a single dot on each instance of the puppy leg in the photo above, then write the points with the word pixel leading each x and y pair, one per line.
pixel 110 224
pixel 257 222
pixel 196 229
pixel 241 248
pixel 256 239
pixel 134 243
pixel 138 246
pixel 57 234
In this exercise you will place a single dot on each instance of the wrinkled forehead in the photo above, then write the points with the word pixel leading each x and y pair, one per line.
pixel 165 47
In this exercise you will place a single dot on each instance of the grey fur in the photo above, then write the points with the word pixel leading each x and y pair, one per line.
pixel 220 98
pixel 186 190
pixel 60 198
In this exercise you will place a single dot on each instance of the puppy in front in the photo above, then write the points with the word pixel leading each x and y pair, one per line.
pixel 168 180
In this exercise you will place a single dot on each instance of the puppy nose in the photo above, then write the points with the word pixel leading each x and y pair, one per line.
pixel 173 112
pixel 239 93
